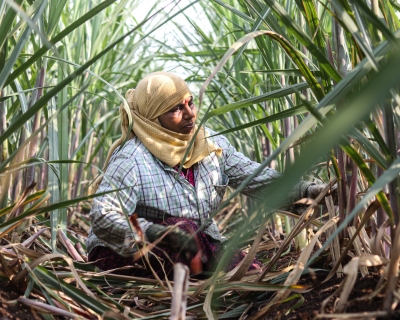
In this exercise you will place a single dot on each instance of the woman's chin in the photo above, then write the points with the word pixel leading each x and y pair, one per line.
pixel 187 130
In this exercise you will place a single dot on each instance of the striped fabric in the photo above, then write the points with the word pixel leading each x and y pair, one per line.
pixel 153 190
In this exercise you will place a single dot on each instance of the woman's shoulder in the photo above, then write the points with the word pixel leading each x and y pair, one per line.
pixel 218 139
pixel 130 150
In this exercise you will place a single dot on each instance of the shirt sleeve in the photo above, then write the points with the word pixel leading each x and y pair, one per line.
pixel 238 167
pixel 108 219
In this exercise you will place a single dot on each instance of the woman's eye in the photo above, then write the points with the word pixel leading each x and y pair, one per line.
pixel 180 107
pixel 175 109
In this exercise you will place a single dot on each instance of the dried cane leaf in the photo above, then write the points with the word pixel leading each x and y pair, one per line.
pixel 351 269
pixel 360 315
pixel 378 238
pixel 303 222
pixel 7 269
pixel 335 245
pixel 370 211
pixel 179 294
pixel 48 257
pixel 296 273
pixel 247 261
pixel 372 260
pixel 365 240
pixel 358 248
pixel 392 272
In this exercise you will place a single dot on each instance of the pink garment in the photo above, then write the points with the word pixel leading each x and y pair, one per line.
pixel 188 174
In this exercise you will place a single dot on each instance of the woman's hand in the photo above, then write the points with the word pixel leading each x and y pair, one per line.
pixel 314 190
pixel 174 238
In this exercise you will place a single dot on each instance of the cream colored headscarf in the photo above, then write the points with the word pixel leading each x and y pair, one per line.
pixel 154 95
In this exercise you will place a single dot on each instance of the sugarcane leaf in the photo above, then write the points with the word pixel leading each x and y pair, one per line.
pixel 369 148
pixel 251 101
pixel 39 53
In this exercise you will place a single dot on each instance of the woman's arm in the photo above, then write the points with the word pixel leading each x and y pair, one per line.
pixel 238 167
pixel 109 223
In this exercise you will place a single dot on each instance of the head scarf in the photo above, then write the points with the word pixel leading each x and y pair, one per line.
pixel 154 95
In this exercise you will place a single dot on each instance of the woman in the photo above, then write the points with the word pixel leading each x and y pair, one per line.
pixel 145 169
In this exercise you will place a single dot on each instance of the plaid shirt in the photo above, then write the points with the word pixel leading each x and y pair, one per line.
pixel 153 190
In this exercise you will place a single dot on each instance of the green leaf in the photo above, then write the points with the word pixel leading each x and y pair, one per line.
pixel 315 25
pixel 49 95
pixel 55 10
pixel 369 148
pixel 303 38
pixel 47 278
pixel 6 23
pixel 278 116
pixel 19 46
pixel 376 22
pixel 251 101
pixel 355 156
pixel 39 53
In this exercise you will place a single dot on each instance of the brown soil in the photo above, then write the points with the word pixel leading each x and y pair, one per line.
pixel 358 300
pixel 15 311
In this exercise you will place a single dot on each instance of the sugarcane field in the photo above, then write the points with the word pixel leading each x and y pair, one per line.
pixel 199 159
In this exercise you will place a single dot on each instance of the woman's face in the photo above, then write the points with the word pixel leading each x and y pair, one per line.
pixel 180 118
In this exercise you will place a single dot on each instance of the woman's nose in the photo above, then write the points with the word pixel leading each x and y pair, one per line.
pixel 188 112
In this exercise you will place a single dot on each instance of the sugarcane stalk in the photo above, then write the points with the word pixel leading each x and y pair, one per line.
pixel 28 242
pixel 45 308
pixel 79 248
pixel 68 245
pixel 33 145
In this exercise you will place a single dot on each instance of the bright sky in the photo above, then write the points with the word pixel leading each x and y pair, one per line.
pixel 171 34
pixel 169 8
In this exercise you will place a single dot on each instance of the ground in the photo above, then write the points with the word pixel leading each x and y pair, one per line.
pixel 14 312
pixel 314 299
pixel 310 308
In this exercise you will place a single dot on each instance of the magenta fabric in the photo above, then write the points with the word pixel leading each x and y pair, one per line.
pixel 106 259
pixel 188 174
